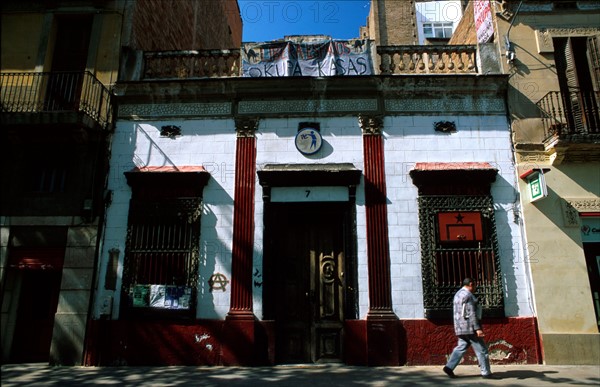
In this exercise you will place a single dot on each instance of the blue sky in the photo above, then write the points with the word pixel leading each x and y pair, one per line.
pixel 266 20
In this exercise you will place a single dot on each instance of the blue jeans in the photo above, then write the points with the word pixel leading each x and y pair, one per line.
pixel 480 348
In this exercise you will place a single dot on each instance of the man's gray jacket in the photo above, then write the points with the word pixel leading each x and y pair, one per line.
pixel 466 313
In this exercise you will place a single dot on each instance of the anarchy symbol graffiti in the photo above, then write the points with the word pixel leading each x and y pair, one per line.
pixel 217 281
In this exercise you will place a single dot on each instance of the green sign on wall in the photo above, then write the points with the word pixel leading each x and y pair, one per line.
pixel 537 186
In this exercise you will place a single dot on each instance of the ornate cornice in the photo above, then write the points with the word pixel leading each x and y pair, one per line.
pixel 544 36
pixel 371 125
pixel 573 207
pixel 246 126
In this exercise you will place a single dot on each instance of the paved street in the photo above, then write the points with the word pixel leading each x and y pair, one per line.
pixel 295 376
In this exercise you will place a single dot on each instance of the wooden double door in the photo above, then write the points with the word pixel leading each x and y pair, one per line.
pixel 307 281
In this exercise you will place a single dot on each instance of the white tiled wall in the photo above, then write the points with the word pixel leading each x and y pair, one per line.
pixel 408 140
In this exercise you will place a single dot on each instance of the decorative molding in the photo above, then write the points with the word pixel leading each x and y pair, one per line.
pixel 246 126
pixel 570 214
pixel 544 36
pixel 170 131
pixel 535 158
pixel 444 126
pixel 544 42
pixel 371 125
pixel 585 205
pixel 150 110
pixel 306 106
pixel 447 105
pixel 565 32
pixel 572 208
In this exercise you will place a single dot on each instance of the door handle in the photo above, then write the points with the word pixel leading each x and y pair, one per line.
pixel 311 296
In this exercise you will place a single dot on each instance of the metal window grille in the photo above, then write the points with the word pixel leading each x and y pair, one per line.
pixel 445 266
pixel 163 243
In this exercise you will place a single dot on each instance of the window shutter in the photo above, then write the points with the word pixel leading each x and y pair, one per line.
pixel 572 94
pixel 593 51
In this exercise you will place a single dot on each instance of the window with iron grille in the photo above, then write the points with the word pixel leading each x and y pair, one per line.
pixel 160 273
pixel 458 240
pixel 161 256
pixel 458 236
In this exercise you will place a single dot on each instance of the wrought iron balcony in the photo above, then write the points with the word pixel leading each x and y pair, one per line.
pixel 56 92
pixel 434 59
pixel 572 115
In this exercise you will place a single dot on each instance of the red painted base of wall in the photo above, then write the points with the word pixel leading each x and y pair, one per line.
pixel 510 341
pixel 210 342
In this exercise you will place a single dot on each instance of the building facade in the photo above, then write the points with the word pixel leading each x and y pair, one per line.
pixel 329 219
pixel 551 53
pixel 59 61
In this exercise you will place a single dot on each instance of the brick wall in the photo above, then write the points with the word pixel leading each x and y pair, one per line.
pixel 392 22
pixel 465 32
pixel 160 25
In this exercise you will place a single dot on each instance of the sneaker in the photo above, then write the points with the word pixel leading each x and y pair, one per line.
pixel 490 376
pixel 448 372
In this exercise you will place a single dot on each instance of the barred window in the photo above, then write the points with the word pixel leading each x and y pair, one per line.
pixel 458 237
pixel 160 273
pixel 161 256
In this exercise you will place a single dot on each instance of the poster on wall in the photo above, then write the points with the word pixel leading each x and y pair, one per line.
pixel 157 296
pixel 315 59
pixel 161 296
pixel 484 26
pixel 140 295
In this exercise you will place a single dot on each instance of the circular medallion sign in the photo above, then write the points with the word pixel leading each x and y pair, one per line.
pixel 308 141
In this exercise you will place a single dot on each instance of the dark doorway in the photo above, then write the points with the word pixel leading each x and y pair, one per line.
pixel 35 316
pixel 69 62
pixel 592 258
pixel 310 279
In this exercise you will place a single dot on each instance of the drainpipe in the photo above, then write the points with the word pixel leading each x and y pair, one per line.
pixel 510 51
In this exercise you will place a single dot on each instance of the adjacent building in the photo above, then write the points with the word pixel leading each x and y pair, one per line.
pixel 309 201
pixel 59 62
pixel 550 51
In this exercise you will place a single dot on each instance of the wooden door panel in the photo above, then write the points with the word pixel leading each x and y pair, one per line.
pixel 309 262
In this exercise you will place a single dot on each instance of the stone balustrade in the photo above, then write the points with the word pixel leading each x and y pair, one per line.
pixel 191 64
pixel 434 59
pixel 390 60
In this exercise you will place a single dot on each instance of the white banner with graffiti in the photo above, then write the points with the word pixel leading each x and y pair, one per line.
pixel 313 59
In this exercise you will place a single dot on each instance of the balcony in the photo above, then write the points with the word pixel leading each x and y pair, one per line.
pixel 571 122
pixel 191 64
pixel 55 98
pixel 392 60
pixel 435 59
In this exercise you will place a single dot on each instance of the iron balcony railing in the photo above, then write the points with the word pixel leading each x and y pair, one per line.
pixel 570 113
pixel 56 92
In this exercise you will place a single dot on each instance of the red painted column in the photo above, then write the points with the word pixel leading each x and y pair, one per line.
pixel 239 328
pixel 243 226
pixel 382 323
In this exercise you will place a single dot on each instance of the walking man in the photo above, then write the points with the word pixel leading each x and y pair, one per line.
pixel 467 326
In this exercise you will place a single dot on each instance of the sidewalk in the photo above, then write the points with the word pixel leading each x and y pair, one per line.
pixel 296 376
